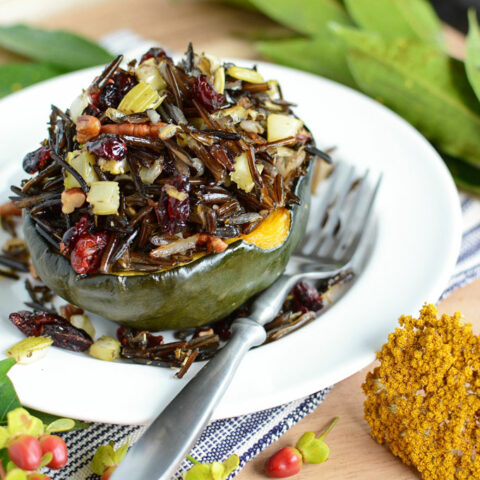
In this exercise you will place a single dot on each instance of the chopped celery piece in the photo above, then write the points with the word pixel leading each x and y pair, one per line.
pixel 30 349
pixel 281 126
pixel 82 161
pixel 140 98
pixel 219 80
pixel 104 198
pixel 105 348
pixel 149 175
pixel 242 176
pixel 148 72
pixel 246 74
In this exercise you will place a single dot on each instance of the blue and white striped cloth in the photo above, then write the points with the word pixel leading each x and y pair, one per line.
pixel 248 435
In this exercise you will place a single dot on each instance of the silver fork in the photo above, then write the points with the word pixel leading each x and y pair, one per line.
pixel 342 220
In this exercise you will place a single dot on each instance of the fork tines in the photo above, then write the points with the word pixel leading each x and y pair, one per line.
pixel 346 204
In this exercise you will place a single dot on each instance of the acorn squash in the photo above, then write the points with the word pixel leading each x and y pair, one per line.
pixel 190 295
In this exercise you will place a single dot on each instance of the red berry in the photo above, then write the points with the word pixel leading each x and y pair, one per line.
pixel 108 472
pixel 285 463
pixel 87 253
pixel 57 447
pixel 25 452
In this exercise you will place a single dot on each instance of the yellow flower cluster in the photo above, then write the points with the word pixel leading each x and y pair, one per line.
pixel 423 401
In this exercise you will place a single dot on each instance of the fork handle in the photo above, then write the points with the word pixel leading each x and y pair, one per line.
pixel 170 437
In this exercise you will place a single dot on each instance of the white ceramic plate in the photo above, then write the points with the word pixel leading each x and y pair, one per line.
pixel 414 249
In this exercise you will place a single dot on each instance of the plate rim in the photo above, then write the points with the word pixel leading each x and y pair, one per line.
pixel 434 291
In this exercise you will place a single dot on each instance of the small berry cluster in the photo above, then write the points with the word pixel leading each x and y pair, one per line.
pixel 29 446
pixel 288 461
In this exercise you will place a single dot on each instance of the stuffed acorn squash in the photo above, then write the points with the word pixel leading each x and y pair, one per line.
pixel 168 194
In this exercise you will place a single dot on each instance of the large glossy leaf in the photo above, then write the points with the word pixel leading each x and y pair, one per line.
pixel 305 16
pixel 240 4
pixel 472 62
pixel 62 49
pixel 8 396
pixel 425 86
pixel 324 55
pixel 15 76
pixel 414 19
pixel 466 176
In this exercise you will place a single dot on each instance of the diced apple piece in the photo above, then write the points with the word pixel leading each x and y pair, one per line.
pixel 104 198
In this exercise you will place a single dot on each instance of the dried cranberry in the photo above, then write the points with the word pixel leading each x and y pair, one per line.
pixel 71 236
pixel 61 331
pixel 108 146
pixel 307 298
pixel 37 160
pixel 87 252
pixel 92 110
pixel 154 52
pixel 223 329
pixel 109 97
pixel 205 93
pixel 138 339
pixel 113 92
pixel 169 169
pixel 172 214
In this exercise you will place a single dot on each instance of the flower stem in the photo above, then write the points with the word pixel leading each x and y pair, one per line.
pixel 330 427
pixel 193 460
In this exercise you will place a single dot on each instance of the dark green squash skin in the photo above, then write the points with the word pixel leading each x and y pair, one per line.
pixel 195 294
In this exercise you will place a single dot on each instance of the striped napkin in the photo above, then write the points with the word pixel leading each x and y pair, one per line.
pixel 246 435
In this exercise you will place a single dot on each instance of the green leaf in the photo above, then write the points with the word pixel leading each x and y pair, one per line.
pixel 247 4
pixel 314 450
pixel 21 422
pixel 201 471
pixel 4 436
pixel 217 471
pixel 308 17
pixel 121 452
pixel 55 47
pixel 15 76
pixel 323 55
pixel 472 62
pixel 466 176
pixel 422 84
pixel 16 474
pixel 48 418
pixel 46 459
pixel 60 425
pixel 4 458
pixel 104 457
pixel 415 19
pixel 231 464
pixel 8 396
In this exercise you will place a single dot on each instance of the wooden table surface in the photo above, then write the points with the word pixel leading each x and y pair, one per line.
pixel 215 28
